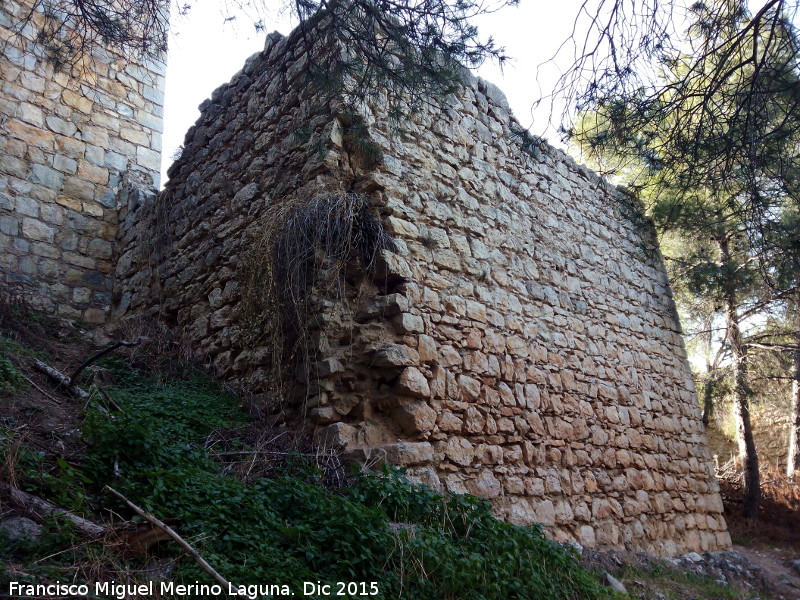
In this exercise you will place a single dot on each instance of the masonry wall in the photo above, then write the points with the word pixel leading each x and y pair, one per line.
pixel 69 137
pixel 519 343
pixel 771 426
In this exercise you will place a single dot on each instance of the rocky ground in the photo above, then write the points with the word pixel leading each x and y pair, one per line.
pixel 743 573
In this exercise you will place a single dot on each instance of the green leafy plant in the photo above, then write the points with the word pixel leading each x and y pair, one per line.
pixel 289 528
pixel 10 377
pixel 156 446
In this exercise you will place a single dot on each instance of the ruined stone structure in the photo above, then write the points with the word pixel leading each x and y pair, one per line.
pixel 69 137
pixel 518 341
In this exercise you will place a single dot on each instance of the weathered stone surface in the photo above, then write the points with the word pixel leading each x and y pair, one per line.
pixel 21 528
pixel 416 417
pixel 395 356
pixel 460 451
pixel 336 434
pixel 485 485
pixel 614 583
pixel 413 383
pixel 408 453
pixel 328 366
pixel 52 156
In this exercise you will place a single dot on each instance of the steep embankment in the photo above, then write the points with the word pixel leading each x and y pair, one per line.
pixel 260 506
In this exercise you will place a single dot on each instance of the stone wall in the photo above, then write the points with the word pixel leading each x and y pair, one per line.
pixel 771 425
pixel 519 343
pixel 68 137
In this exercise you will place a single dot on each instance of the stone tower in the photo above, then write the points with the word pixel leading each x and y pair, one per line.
pixel 70 138
pixel 518 341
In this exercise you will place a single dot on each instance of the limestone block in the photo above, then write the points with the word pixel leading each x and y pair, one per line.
pixel 395 355
pixel 61 126
pixel 470 387
pixel 323 415
pixel 544 512
pixel 451 423
pixel 460 451
pixel 383 306
pixel 31 114
pixel 426 347
pixel 413 383
pixel 147 158
pixel 9 225
pixel 485 485
pixel 401 228
pixel 328 366
pixel 449 356
pixel 34 229
pixel 391 268
pixel 64 164
pixel 408 453
pixel 475 421
pixel 335 434
pixel 346 404
pixel 417 417
pixel 408 323
pixel 46 176
pixel 77 101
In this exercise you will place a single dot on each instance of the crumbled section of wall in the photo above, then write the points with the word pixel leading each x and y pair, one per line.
pixel 67 139
pixel 520 343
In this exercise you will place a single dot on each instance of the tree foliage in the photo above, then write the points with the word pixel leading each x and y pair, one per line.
pixel 75 28
pixel 731 90
pixel 413 49
pixel 711 143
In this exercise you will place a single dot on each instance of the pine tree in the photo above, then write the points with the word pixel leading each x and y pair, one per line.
pixel 716 177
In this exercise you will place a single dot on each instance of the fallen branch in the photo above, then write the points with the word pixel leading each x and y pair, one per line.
pixel 109 400
pixel 171 532
pixel 43 508
pixel 77 372
pixel 59 378
pixel 48 396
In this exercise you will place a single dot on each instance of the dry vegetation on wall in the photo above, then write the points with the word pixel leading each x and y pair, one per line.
pixel 306 252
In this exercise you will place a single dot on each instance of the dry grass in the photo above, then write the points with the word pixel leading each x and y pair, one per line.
pixel 779 514
pixel 256 452
pixel 164 353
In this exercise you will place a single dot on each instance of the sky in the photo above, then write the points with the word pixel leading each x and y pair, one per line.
pixel 206 52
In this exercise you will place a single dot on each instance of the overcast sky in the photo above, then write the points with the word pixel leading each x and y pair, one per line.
pixel 205 52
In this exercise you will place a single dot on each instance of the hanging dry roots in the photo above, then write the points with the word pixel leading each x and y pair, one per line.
pixel 302 255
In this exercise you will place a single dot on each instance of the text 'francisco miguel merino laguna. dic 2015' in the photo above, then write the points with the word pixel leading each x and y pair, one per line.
pixel 120 591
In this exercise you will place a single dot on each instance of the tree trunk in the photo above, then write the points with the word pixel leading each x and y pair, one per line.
pixel 708 398
pixel 793 461
pixel 741 401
